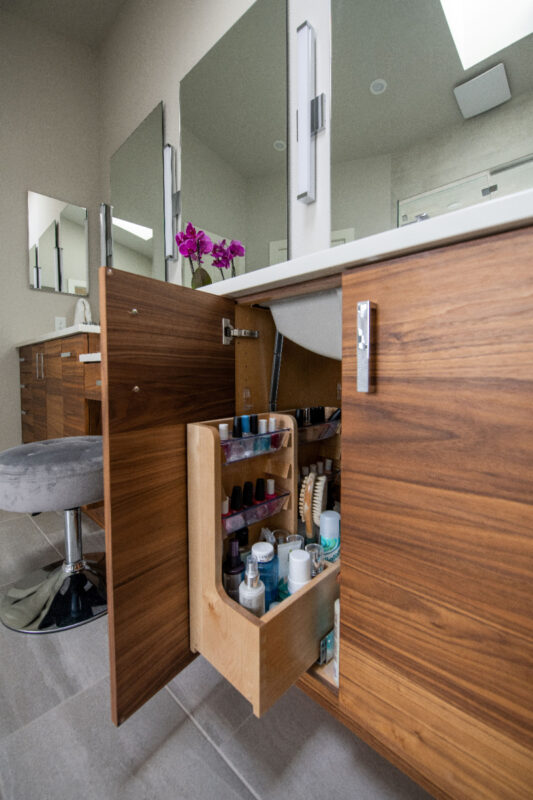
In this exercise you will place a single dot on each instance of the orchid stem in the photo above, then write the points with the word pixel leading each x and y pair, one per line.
pixel 222 273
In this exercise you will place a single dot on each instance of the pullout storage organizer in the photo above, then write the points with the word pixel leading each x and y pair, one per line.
pixel 261 657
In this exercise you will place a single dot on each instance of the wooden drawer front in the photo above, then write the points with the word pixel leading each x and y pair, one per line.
pixel 72 373
pixel 262 657
pixel 93 380
pixel 26 364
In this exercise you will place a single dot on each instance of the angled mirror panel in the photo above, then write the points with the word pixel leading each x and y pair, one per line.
pixel 402 152
pixel 58 255
pixel 137 200
pixel 233 107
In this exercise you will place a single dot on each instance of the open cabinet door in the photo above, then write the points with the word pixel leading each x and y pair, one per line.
pixel 436 657
pixel 163 365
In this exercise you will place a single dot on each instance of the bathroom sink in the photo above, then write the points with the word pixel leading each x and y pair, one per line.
pixel 313 321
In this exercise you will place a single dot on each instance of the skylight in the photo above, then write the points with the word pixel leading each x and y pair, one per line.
pixel 138 230
pixel 482 27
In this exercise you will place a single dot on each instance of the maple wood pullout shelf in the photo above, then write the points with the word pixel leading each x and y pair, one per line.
pixel 260 657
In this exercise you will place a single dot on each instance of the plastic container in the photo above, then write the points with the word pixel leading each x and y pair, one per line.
pixel 330 534
pixel 267 563
pixel 252 589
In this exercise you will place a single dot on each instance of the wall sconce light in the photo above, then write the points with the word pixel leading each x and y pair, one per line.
pixel 171 202
pixel 310 114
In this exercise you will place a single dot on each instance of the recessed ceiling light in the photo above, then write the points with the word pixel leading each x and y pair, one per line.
pixel 378 86
pixel 279 145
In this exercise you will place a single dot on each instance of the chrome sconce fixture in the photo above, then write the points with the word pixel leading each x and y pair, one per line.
pixel 171 201
pixel 310 113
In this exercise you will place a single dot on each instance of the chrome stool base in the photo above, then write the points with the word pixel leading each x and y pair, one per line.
pixel 54 598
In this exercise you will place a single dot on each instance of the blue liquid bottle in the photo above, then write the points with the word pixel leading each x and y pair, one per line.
pixel 267 562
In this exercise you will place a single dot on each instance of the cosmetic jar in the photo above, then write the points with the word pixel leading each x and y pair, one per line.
pixel 299 570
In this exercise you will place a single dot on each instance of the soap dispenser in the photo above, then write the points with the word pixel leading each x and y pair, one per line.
pixel 252 589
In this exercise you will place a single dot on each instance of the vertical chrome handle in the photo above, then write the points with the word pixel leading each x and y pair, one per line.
pixel 37 366
pixel 366 347
pixel 42 366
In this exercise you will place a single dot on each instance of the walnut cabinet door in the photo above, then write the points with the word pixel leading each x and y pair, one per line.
pixel 163 365
pixel 436 660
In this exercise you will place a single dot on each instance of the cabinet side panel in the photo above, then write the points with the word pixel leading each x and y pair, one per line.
pixel 437 550
pixel 163 364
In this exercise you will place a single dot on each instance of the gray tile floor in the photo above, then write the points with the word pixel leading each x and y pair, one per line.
pixel 197 738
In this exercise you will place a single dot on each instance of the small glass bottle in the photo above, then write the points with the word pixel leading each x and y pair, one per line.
pixel 232 571
pixel 267 563
pixel 252 589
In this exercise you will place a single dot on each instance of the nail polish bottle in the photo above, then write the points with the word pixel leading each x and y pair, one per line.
pixel 254 430
pixel 236 499
pixel 245 424
pixel 225 507
pixel 299 417
pixel 242 536
pixel 237 447
pixel 248 494
pixel 259 491
pixel 237 428
pixel 265 438
pixel 275 438
pixel 271 489
pixel 232 571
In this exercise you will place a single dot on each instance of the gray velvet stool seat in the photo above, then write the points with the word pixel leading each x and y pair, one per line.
pixel 54 475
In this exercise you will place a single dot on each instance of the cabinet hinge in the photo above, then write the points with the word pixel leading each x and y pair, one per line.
pixel 229 332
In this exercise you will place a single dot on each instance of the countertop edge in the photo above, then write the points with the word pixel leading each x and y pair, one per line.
pixel 494 216
pixel 62 334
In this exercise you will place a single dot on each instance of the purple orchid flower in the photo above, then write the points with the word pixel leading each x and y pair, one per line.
pixel 193 245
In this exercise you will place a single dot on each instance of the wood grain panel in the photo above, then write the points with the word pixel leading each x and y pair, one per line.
pixel 38 395
pixel 438 516
pixel 162 366
pixel 452 753
pixel 75 422
pixel 306 379
pixel 54 389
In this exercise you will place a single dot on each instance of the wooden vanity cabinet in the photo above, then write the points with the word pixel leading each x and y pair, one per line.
pixel 436 651
pixel 53 393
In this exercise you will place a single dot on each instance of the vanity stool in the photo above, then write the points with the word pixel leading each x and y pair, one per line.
pixel 53 475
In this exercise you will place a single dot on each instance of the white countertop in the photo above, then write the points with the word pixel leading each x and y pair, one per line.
pixel 492 216
pixel 82 327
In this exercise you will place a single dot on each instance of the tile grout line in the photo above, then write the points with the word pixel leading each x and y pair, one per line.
pixel 60 554
pixel 215 746
pixel 49 710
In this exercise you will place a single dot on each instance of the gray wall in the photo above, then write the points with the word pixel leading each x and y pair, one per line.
pixel 49 144
pixel 65 110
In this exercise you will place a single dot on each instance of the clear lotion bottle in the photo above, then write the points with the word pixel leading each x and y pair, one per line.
pixel 252 589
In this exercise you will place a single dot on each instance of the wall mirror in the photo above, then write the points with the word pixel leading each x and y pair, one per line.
pixel 136 176
pixel 233 107
pixel 402 151
pixel 58 245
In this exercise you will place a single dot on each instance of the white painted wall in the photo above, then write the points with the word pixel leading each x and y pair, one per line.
pixel 361 195
pixel 48 144
pixel 501 135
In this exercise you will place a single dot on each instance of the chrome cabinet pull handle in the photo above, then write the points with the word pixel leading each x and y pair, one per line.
pixel 366 320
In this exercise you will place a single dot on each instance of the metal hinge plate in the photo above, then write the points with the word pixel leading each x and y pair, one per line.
pixel 229 333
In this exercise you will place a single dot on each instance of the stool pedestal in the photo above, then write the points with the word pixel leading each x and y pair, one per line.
pixel 61 595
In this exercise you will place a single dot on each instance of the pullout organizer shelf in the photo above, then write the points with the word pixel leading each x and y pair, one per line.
pixel 260 657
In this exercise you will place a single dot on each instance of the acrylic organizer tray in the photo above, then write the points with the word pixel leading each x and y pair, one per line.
pixel 315 433
pixel 258 444
pixel 256 513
